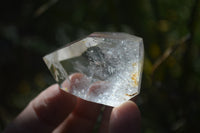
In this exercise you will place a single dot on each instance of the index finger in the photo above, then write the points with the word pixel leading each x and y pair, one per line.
pixel 45 112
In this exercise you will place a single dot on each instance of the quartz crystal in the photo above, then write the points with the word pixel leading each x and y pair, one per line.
pixel 109 66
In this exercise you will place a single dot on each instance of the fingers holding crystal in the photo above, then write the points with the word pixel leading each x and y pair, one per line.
pixel 45 112
pixel 125 118
pixel 85 113
pixel 80 85
pixel 116 58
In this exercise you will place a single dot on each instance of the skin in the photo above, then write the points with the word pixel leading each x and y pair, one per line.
pixel 56 111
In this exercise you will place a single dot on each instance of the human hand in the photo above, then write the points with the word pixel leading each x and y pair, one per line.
pixel 57 111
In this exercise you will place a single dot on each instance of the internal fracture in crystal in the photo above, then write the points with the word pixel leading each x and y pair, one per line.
pixel 108 65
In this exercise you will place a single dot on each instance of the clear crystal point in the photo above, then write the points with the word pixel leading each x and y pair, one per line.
pixel 108 67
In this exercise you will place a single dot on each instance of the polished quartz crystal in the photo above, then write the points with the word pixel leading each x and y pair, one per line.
pixel 106 67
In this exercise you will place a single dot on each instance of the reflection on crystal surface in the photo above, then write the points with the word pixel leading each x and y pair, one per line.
pixel 110 65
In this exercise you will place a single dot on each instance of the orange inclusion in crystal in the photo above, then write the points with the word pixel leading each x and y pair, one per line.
pixel 134 64
pixel 134 78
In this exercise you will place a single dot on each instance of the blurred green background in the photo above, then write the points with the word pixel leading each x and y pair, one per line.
pixel 170 93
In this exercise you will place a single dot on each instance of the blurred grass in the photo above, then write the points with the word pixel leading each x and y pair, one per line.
pixel 169 99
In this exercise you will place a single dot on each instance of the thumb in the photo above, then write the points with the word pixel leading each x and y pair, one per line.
pixel 125 119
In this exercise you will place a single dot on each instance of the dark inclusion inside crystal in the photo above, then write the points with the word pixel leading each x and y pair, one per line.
pixel 114 58
pixel 97 63
pixel 94 54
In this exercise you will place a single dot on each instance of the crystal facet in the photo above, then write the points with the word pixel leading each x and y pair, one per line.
pixel 109 66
